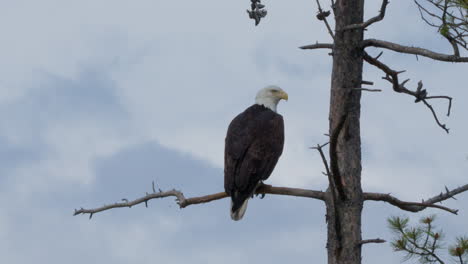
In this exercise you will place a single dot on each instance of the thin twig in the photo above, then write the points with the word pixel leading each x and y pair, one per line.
pixel 367 82
pixel 451 26
pixel 376 240
pixel 367 89
pixel 324 160
pixel 443 126
pixel 420 94
pixel 318 46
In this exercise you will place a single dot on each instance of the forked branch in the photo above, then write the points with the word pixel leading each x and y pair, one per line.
pixel 335 182
pixel 183 202
pixel 415 206
pixel 324 159
pixel 371 21
pixel 420 94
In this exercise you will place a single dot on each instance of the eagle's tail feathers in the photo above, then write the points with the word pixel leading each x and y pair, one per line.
pixel 239 213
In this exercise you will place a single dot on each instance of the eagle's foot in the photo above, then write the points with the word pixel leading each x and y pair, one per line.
pixel 260 184
pixel 262 195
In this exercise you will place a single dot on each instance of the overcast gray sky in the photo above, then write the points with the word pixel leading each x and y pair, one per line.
pixel 99 98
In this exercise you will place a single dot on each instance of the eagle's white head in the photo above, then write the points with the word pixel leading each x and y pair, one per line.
pixel 270 97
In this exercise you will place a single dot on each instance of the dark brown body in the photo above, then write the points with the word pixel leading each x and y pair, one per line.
pixel 254 143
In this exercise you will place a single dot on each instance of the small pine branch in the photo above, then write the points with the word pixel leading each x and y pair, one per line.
pixel 397 223
pixel 423 242
pixel 460 250
pixel 420 242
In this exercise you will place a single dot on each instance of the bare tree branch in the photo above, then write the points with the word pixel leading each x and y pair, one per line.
pixel 369 22
pixel 407 206
pixel 324 160
pixel 413 50
pixel 443 97
pixel 448 194
pixel 367 89
pixel 443 126
pixel 184 202
pixel 331 178
pixel 376 240
pixel 318 46
pixel 322 15
pixel 415 206
pixel 420 94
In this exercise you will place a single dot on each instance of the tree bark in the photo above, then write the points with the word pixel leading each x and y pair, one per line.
pixel 344 209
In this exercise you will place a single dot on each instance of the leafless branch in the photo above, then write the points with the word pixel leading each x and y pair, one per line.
pixel 367 82
pixel 407 206
pixel 443 97
pixel 367 89
pixel 413 50
pixel 184 202
pixel 415 206
pixel 376 240
pixel 322 15
pixel 318 46
pixel 369 22
pixel 324 159
pixel 420 94
pixel 443 126
pixel 447 194
pixel 423 10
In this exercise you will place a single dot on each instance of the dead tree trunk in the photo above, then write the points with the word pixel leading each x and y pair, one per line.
pixel 345 198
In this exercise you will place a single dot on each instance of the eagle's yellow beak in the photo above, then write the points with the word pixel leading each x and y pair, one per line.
pixel 283 95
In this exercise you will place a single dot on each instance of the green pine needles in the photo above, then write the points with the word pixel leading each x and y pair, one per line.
pixel 424 241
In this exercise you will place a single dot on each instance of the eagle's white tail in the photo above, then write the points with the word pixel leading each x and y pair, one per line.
pixel 239 213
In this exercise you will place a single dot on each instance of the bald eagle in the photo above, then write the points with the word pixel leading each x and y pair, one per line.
pixel 253 145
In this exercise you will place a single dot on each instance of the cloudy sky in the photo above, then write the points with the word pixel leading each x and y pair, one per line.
pixel 100 98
